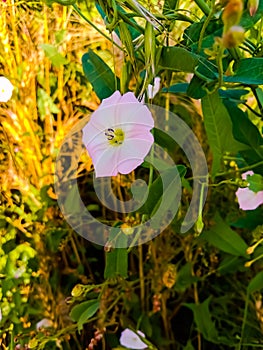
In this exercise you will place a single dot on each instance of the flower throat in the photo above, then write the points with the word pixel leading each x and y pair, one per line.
pixel 115 137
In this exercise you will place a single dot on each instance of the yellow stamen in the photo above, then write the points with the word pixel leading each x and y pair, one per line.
pixel 115 137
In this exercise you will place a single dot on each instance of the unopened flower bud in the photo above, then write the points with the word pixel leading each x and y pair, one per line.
pixel 233 37
pixel 232 13
pixel 250 250
pixel 77 291
pixel 252 6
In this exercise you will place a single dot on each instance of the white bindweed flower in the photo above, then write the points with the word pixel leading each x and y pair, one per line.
pixel 6 89
pixel 152 90
pixel 131 340
pixel 118 136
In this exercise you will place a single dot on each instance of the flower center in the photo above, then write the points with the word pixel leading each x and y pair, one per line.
pixel 114 136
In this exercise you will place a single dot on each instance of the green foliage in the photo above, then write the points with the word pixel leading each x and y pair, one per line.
pixel 203 320
pixel 82 312
pixel 225 239
pixel 249 71
pixel 99 75
pixel 219 129
pixel 117 260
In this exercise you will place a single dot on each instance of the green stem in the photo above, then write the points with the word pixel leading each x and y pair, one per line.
pixel 206 22
pixel 151 166
pixel 203 6
pixel 141 276
pixel 135 239
pixel 220 67
pixel 249 167
pixel 199 222
pixel 95 27
pixel 243 324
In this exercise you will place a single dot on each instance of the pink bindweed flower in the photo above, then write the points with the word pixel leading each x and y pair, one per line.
pixel 247 199
pixel 131 340
pixel 6 89
pixel 118 135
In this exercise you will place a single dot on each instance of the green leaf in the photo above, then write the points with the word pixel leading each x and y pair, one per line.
pixel 177 88
pixel 178 59
pixel 169 5
pixel 203 320
pixel 52 53
pixel 243 129
pixel 250 220
pixel 253 156
pixel 249 71
pixel 82 312
pixel 256 283
pixel 79 309
pixel 225 239
pixel 218 127
pixel 144 324
pixel 88 313
pixel 117 259
pixel 165 141
pixel 196 88
pixel 233 95
pixel 152 204
pixel 99 75
pixel 230 264
pixel 259 94
pixel 247 133
pixel 192 34
pixel 157 163
pixel 255 182
pixel 185 278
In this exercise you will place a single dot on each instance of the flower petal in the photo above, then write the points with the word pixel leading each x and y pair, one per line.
pixel 133 152
pixel 6 89
pixel 106 162
pixel 129 97
pixel 94 139
pixel 104 118
pixel 131 340
pixel 152 90
pixel 134 114
pixel 249 200
pixel 245 175
pixel 112 100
